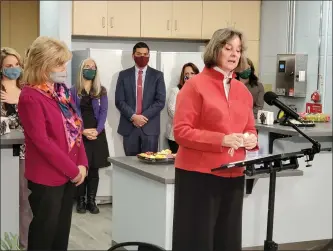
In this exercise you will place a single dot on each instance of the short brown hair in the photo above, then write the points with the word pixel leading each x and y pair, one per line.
pixel 219 39
pixel 44 54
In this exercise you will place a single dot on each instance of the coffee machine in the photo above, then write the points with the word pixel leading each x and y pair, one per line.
pixel 291 75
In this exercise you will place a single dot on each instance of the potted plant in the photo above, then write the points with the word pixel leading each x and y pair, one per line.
pixel 10 242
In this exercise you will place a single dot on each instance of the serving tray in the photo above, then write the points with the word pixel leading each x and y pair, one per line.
pixel 156 161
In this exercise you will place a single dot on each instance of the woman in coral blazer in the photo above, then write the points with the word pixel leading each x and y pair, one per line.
pixel 55 155
pixel 213 113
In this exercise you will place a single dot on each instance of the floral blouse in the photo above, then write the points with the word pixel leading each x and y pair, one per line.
pixel 10 111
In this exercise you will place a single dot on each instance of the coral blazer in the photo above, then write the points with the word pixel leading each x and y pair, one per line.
pixel 47 160
pixel 204 116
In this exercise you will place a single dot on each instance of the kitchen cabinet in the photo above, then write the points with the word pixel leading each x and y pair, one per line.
pixel 156 19
pixel 215 15
pixel 124 18
pixel 245 16
pixel 90 18
pixel 106 18
pixel 19 24
pixel 171 19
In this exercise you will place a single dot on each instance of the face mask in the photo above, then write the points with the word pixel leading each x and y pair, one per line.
pixel 12 73
pixel 245 74
pixel 89 74
pixel 141 61
pixel 58 77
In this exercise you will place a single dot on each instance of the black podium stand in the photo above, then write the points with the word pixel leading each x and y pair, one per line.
pixel 272 164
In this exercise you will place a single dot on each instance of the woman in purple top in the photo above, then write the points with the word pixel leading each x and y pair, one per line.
pixel 91 99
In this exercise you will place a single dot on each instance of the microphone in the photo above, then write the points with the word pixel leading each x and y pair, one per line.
pixel 272 99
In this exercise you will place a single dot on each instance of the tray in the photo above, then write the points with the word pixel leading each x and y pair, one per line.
pixel 156 161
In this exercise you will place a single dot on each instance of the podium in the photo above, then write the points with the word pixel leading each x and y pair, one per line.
pixel 271 164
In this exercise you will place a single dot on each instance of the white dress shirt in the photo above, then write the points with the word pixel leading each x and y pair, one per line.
pixel 226 80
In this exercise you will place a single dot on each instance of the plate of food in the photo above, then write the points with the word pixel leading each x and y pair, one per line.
pixel 161 157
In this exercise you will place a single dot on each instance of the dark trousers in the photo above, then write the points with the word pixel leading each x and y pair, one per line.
pixel 138 142
pixel 207 212
pixel 173 146
pixel 90 185
pixel 52 215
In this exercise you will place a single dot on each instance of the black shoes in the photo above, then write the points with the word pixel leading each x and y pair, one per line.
pixel 82 206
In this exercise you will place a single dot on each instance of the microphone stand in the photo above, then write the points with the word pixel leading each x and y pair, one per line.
pixel 272 165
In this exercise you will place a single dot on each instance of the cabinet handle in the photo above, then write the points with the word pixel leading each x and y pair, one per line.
pixel 175 25
pixel 111 22
pixel 168 24
pixel 103 22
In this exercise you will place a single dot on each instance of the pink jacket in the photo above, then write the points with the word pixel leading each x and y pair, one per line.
pixel 47 160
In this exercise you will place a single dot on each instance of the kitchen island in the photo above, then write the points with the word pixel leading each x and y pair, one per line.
pixel 143 196
pixel 10 148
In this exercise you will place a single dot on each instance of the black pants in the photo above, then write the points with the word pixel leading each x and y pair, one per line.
pixel 138 142
pixel 90 185
pixel 173 146
pixel 52 215
pixel 207 212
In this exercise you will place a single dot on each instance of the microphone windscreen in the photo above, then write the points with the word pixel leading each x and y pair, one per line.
pixel 269 97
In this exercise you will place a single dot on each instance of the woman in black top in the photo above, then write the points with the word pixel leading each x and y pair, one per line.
pixel 92 100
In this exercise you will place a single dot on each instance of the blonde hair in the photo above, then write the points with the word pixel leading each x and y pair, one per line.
pixel 96 88
pixel 44 54
pixel 219 39
pixel 5 52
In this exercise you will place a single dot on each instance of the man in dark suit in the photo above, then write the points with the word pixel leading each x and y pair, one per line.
pixel 140 97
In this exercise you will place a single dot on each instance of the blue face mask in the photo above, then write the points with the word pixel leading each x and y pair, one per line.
pixel 12 73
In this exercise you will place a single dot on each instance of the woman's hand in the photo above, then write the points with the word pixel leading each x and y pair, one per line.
pixel 250 141
pixel 79 179
pixel 11 98
pixel 90 134
pixel 234 140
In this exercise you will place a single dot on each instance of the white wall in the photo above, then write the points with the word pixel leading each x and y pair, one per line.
pixel 273 40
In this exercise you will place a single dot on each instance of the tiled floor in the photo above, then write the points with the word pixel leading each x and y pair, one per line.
pixel 93 232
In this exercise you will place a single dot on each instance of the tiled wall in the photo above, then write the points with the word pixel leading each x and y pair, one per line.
pixel 273 40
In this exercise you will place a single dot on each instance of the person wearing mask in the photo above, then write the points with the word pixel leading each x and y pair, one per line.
pixel 55 160
pixel 11 75
pixel 188 71
pixel 91 99
pixel 140 98
pixel 213 125
pixel 249 78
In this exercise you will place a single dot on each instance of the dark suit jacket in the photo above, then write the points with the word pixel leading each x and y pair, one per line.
pixel 153 100
pixel 47 160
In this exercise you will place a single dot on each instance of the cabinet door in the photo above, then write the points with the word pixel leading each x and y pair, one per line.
pixel 253 54
pixel 187 19
pixel 156 19
pixel 24 25
pixel 245 17
pixel 215 15
pixel 90 18
pixel 124 18
pixel 5 23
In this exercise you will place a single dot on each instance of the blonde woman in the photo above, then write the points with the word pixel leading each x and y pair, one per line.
pixel 11 74
pixel 92 102
pixel 56 160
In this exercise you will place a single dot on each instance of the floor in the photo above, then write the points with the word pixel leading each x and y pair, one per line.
pixel 93 232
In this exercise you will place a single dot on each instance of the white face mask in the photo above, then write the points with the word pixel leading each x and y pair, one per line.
pixel 58 77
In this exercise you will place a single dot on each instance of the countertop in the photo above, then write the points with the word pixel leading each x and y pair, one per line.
pixel 15 137
pixel 320 130
pixel 165 173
